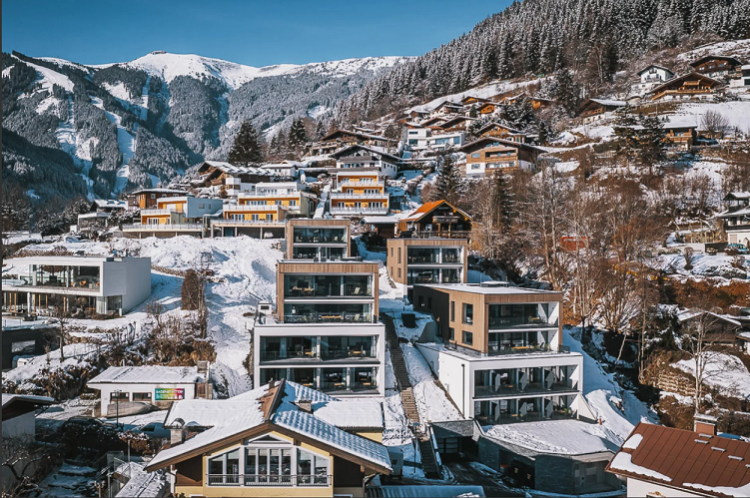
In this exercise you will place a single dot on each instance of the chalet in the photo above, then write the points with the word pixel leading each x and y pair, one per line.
pixel 224 178
pixel 99 213
pixel 486 109
pixel 680 133
pixel 447 108
pixel 360 156
pixel 458 123
pixel 716 66
pixel 148 197
pixel 736 218
pixel 418 114
pixel 434 139
pixel 487 154
pixel 597 109
pixel 285 169
pixel 693 86
pixel 436 219
pixel 504 131
pixel 649 78
pixel 720 330
pixel 471 101
pixel 345 138
pixel 662 461
pixel 279 439
pixel 436 121
pixel 540 102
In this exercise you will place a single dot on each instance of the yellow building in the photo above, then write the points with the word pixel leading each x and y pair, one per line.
pixel 281 439
pixel 183 215
pixel 359 192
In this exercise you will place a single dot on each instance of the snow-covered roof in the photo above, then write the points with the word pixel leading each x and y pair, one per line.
pixel 150 374
pixel 487 289
pixel 612 103
pixel 143 484
pixel 277 406
pixel 37 400
pixel 373 149
pixel 238 170
pixel 561 437
pixel 689 314
pixel 655 66
pixel 110 204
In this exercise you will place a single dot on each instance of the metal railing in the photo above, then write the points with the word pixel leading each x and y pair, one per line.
pixel 265 480
pixel 234 223
pixel 354 195
pixel 328 318
pixel 360 210
pixel 253 207
pixel 159 212
pixel 163 227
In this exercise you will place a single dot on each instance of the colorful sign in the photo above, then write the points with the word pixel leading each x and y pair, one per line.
pixel 169 394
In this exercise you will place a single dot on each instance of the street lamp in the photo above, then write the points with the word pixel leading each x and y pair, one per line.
pixel 117 405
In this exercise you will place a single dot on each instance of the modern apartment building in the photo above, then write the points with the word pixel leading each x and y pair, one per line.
pixel 326 334
pixel 318 239
pixel 360 156
pixel 501 356
pixel 183 215
pixel 427 261
pixel 83 286
pixel 736 218
pixel 359 193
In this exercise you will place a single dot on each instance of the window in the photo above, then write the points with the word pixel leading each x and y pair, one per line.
pixel 122 396
pixel 468 338
pixel 141 396
pixel 452 333
pixel 153 196
pixel 23 347
pixel 399 273
pixel 453 311
pixel 201 206
pixel 468 317
pixel 399 255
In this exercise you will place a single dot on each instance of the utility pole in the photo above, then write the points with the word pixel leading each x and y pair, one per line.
pixel 117 407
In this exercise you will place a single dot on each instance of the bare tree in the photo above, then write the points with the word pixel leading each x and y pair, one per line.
pixel 696 341
pixel 689 254
pixel 27 462
pixel 715 123
pixel 60 305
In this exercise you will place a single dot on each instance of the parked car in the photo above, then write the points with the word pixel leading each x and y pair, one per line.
pixel 154 430
pixel 87 422
pixel 737 249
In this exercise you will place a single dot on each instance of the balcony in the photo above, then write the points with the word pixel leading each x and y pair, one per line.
pixel 352 195
pixel 503 349
pixel 242 208
pixel 163 227
pixel 328 318
pixel 359 210
pixel 272 194
pixel 159 212
pixel 265 480
pixel 313 356
pixel 515 390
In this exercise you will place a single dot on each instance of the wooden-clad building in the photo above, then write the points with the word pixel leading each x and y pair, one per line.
pixel 318 239
pixel 504 131
pixel 693 86
pixel 716 66
pixel 147 198
pixel 427 260
pixel 437 219
pixel 596 109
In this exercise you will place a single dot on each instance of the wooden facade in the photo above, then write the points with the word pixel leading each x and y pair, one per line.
pixel 298 223
pixel 398 255
pixel 447 305
pixel 148 198
pixel 716 65
pixel 682 137
pixel 437 219
pixel 693 86
pixel 288 267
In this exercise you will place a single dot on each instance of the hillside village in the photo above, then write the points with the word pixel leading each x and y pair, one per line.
pixel 471 296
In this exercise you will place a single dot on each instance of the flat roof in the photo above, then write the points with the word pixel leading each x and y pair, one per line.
pixel 489 290
pixel 151 374
pixel 503 357
pixel 560 437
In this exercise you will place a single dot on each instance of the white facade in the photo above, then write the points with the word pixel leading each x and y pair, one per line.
pixel 650 78
pixel 457 371
pixel 422 138
pixel 131 390
pixel 116 284
pixel 20 426
pixel 639 489
pixel 313 364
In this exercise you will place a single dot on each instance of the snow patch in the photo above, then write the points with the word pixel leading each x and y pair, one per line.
pixel 624 461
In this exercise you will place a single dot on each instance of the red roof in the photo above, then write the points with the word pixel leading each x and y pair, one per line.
pixel 428 207
pixel 705 465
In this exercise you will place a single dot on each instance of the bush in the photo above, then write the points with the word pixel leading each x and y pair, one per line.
pixel 191 291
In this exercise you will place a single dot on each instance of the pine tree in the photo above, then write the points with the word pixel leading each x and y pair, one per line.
pixel 651 142
pixel 246 149
pixel 449 181
pixel 542 133
pixel 297 134
pixel 627 137
pixel 505 202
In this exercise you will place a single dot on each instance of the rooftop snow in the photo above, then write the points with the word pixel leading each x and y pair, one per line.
pixel 564 437
pixel 153 374
pixel 487 290
pixel 7 398
pixel 144 484
pixel 624 461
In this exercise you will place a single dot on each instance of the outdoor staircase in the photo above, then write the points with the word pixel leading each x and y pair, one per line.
pixel 429 463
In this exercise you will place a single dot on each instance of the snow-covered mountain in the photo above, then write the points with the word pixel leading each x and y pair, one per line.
pixel 147 120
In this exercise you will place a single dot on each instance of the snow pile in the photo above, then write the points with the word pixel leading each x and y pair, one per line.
pixel 562 437
pixel 633 442
pixel 721 490
pixel 432 402
pixel 735 112
pixel 411 334
pixel 724 371
pixel 605 396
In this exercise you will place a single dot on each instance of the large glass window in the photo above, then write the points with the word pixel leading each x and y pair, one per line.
pixel 327 313
pixel 417 255
pixel 309 286
pixel 517 315
pixel 451 276
pixel 341 347
pixel 319 235
pixel 312 469
pixel 452 255
pixel 468 313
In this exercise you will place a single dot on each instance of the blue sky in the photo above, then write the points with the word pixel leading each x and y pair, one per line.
pixel 252 32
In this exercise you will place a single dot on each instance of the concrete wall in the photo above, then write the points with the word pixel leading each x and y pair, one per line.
pixel 210 206
pixel 129 278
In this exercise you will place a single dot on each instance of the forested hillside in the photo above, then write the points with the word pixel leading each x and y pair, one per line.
pixel 593 38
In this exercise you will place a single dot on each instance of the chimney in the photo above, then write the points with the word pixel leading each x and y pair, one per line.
pixel 704 424
pixel 177 432
pixel 305 405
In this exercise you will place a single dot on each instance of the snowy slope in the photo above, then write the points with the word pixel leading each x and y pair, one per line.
pixel 170 66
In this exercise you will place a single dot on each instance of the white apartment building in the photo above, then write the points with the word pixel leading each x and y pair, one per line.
pixel 359 192
pixel 649 78
pixel 84 285
pixel 423 139
pixel 500 354
pixel 360 156
pixel 184 215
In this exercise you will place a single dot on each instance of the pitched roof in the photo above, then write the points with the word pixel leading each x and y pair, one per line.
pixel 374 150
pixel 236 170
pixel 657 67
pixel 681 459
pixel 705 58
pixel 500 141
pixel 24 398
pixel 455 120
pixel 357 134
pixel 677 79
pixel 603 102
pixel 495 124
pixel 428 207
pixel 275 408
